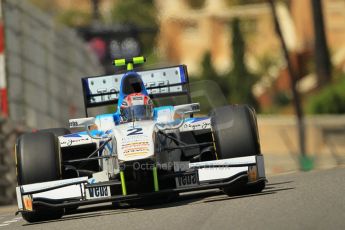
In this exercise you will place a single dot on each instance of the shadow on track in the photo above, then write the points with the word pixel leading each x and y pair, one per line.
pixel 263 193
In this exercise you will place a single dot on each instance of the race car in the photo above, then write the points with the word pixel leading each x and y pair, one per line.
pixel 145 150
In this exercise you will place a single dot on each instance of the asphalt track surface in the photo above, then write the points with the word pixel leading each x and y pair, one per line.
pixel 312 200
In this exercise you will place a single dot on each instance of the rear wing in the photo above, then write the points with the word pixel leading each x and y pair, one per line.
pixel 163 82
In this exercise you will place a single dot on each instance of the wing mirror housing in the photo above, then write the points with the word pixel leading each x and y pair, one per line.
pixel 82 122
pixel 174 118
pixel 187 108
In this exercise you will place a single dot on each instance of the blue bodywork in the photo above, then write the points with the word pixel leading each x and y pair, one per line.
pixel 130 82
pixel 122 94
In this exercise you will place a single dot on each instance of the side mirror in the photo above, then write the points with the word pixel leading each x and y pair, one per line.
pixel 82 122
pixel 174 119
pixel 187 108
pixel 175 124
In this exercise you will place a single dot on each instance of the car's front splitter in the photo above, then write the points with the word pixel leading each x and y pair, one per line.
pixel 77 191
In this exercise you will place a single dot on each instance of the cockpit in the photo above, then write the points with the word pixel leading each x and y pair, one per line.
pixel 132 84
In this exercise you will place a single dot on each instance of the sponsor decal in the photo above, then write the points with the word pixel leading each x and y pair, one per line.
pixel 97 192
pixel 136 148
pixel 194 126
pixel 73 124
pixel 134 131
pixel 186 180
pixel 70 141
pixel 137 98
pixel 136 151
pixel 135 144
pixel 135 141
pixel 195 107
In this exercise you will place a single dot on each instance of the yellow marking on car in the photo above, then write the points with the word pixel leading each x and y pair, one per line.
pixel 123 183
pixel 129 62
pixel 119 62
pixel 135 154
pixel 16 159
pixel 135 144
pixel 130 66
pixel 155 179
pixel 214 144
pixel 138 60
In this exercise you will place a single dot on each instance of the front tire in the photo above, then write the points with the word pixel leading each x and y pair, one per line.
pixel 38 160
pixel 235 134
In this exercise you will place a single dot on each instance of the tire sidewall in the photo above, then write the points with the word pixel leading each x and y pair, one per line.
pixel 235 132
pixel 38 158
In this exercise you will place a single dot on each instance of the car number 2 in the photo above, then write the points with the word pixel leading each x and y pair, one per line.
pixel 134 131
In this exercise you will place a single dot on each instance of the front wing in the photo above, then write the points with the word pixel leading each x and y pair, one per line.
pixel 85 191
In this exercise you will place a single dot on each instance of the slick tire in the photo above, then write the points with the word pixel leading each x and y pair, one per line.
pixel 60 132
pixel 38 160
pixel 235 134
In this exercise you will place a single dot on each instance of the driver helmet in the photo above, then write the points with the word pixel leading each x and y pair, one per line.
pixel 136 107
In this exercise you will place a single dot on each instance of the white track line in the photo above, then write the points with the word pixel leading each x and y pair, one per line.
pixel 9 221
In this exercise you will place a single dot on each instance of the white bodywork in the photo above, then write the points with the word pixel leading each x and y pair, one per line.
pixel 134 140
pixel 76 188
pixel 215 170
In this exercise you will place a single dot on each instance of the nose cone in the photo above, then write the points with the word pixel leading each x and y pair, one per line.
pixel 135 142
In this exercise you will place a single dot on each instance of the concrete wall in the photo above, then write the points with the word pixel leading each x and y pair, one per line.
pixel 44 64
pixel 325 141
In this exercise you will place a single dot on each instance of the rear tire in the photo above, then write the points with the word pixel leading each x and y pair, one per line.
pixel 38 160
pixel 235 134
